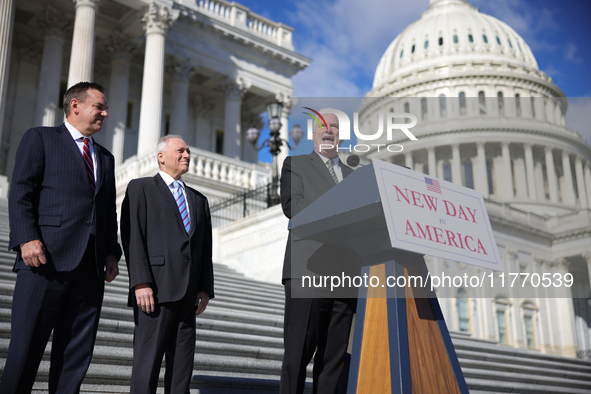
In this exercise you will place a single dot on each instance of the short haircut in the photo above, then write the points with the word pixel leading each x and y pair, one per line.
pixel 162 145
pixel 78 92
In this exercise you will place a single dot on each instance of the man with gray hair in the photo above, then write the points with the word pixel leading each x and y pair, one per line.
pixel 166 237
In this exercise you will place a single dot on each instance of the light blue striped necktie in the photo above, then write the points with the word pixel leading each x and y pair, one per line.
pixel 182 205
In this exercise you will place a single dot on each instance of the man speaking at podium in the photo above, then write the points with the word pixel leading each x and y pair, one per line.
pixel 313 322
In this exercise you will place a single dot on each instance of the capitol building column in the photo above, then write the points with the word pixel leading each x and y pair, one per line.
pixel 121 47
pixel 408 160
pixel 6 25
pixel 182 71
pixel 54 25
pixel 232 131
pixel 456 164
pixel 568 194
pixel 507 173
pixel 157 20
pixel 82 57
pixel 587 175
pixel 432 161
pixel 551 174
pixel 284 131
pixel 530 171
pixel 480 175
pixel 581 183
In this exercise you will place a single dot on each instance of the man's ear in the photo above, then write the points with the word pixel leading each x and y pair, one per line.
pixel 160 156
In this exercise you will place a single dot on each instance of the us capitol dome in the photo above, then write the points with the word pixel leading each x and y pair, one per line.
pixel 489 119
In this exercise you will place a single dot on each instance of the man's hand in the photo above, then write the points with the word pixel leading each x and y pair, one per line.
pixel 144 297
pixel 202 301
pixel 33 253
pixel 111 268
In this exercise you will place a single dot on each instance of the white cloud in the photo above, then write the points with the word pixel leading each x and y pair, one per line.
pixel 346 39
pixel 570 53
pixel 578 116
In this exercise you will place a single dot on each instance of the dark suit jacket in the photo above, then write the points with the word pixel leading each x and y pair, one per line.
pixel 303 179
pixel 51 200
pixel 157 248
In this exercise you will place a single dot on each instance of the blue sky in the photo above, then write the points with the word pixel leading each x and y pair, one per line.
pixel 346 39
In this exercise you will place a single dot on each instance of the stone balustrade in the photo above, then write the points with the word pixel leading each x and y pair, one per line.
pixel 204 165
pixel 239 16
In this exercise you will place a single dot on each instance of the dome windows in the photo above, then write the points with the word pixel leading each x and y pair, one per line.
pixel 485 39
pixel 462 103
pixel 426 44
pixel 412 50
pixel 455 38
pixel 498 40
pixel 481 103
pixel 519 46
pixel 442 106
pixel 470 38
pixel 510 45
pixel 440 41
pixel 401 53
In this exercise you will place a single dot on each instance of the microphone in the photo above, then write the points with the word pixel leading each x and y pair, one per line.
pixel 353 161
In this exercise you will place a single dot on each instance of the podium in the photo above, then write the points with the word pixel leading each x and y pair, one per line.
pixel 401 343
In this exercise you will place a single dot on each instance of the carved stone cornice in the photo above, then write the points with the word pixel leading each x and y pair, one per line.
pixel 182 69
pixel 29 51
pixel 587 257
pixel 235 89
pixel 88 3
pixel 53 23
pixel 120 45
pixel 203 105
pixel 158 19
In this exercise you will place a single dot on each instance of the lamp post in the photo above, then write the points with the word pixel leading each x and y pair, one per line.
pixel 274 142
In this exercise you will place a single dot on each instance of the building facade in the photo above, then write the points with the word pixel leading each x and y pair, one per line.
pixel 489 119
pixel 202 69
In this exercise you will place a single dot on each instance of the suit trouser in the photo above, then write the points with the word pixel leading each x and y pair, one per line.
pixel 169 330
pixel 69 303
pixel 321 324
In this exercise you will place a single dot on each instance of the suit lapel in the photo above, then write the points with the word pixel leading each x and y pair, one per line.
pixel 169 198
pixel 318 163
pixel 72 148
pixel 100 165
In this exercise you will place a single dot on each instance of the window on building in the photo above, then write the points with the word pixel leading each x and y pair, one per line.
pixel 529 313
pixel 489 175
pixel 442 106
pixel 447 171
pixel 502 326
pixel 426 169
pixel 519 46
pixel 545 178
pixel 166 124
pixel 468 176
pixel 470 38
pixel 219 142
pixel 463 312
pixel 426 44
pixel 129 119
pixel 481 103
pixel 502 311
pixel 424 114
pixel 485 39
pixel 455 38
pixel 412 50
pixel 517 104
pixel 440 41
pixel 498 40
pixel 510 45
pixel 401 52
pixel 406 111
pixel 533 107
pixel 501 103
pixel 462 103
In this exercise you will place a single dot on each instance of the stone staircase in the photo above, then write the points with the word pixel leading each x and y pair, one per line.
pixel 239 343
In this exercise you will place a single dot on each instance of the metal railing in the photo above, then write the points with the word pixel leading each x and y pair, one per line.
pixel 241 205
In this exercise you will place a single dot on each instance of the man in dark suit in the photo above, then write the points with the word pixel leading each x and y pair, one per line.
pixel 313 321
pixel 63 226
pixel 166 236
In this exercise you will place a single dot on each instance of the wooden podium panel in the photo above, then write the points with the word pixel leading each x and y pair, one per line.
pixel 401 343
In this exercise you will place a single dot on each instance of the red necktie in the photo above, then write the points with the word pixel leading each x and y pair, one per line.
pixel 88 161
